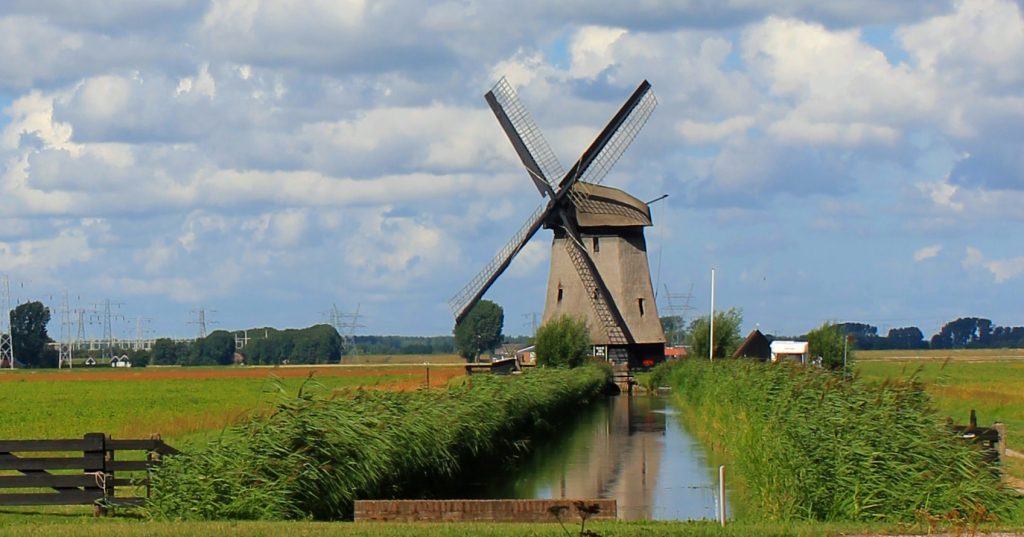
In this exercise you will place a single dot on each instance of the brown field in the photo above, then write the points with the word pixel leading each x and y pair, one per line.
pixel 438 372
pixel 959 355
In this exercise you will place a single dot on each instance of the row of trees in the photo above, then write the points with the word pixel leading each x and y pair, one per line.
pixel 962 333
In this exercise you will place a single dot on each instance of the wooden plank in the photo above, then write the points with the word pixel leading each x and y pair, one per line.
pixel 44 480
pixel 127 482
pixel 128 466
pixel 63 498
pixel 77 444
pixel 11 462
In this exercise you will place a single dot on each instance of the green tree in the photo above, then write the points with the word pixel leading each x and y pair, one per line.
pixel 480 329
pixel 562 342
pixel 28 334
pixel 165 352
pixel 218 348
pixel 826 342
pixel 727 334
pixel 675 330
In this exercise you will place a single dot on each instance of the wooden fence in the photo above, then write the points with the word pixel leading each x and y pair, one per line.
pixel 89 479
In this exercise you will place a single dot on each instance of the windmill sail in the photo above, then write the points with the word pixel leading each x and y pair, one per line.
pixel 611 143
pixel 529 142
pixel 468 296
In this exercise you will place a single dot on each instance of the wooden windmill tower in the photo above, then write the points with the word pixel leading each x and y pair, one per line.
pixel 599 270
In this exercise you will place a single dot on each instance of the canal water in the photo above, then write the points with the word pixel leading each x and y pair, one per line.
pixel 631 449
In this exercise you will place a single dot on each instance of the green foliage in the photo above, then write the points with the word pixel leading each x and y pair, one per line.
pixel 168 352
pixel 563 342
pixel 826 342
pixel 318 344
pixel 675 330
pixel 727 334
pixel 217 348
pixel 480 330
pixel 806 444
pixel 311 456
pixel 28 333
pixel 405 344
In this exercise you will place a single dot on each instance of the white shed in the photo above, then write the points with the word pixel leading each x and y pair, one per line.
pixel 796 351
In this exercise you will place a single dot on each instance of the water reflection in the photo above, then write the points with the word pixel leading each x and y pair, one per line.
pixel 632 449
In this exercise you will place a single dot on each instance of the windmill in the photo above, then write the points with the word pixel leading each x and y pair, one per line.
pixel 599 270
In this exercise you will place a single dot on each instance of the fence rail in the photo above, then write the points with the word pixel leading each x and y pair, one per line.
pixel 100 471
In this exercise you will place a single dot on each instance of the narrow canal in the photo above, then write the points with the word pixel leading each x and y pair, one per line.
pixel 631 449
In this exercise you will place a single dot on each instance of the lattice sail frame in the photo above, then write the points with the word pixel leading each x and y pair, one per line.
pixel 531 135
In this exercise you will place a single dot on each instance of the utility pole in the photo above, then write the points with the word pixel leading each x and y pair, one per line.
pixel 107 318
pixel 64 353
pixel 531 320
pixel 80 332
pixel 711 337
pixel 140 332
pixel 201 321
pixel 6 339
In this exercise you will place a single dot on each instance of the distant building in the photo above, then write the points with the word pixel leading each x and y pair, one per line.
pixel 527 355
pixel 675 352
pixel 755 346
pixel 793 351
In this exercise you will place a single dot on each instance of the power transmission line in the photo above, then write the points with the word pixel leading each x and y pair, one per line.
pixel 6 339
pixel 64 352
pixel 106 317
pixel 530 319
pixel 201 321
pixel 345 324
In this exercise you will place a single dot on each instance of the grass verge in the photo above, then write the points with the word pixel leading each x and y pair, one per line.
pixel 312 455
pixel 807 445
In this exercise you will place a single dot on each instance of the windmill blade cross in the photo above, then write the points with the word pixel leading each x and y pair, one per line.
pixel 531 146
pixel 468 296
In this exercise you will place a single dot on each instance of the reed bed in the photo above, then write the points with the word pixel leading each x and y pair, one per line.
pixel 311 456
pixel 808 445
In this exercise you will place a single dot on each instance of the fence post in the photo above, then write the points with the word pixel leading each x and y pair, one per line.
pixel 721 494
pixel 1000 428
pixel 428 376
pixel 97 469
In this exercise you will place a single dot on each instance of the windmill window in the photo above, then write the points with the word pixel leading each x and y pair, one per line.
pixel 559 293
pixel 597 245
pixel 640 302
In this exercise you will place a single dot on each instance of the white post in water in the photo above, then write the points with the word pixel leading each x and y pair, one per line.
pixel 711 336
pixel 721 494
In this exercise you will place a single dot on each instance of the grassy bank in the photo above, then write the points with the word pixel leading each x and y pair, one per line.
pixel 806 445
pixel 312 455
pixel 995 388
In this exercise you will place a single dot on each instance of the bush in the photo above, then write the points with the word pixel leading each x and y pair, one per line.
pixel 826 342
pixel 562 342
pixel 479 330
pixel 806 444
pixel 727 334
pixel 312 456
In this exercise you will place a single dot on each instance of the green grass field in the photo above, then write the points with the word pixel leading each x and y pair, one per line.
pixel 990 381
pixel 181 404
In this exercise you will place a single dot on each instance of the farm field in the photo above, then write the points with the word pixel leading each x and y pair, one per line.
pixel 990 381
pixel 181 404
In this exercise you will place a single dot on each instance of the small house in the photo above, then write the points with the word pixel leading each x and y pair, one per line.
pixel 791 351
pixel 755 346
pixel 527 355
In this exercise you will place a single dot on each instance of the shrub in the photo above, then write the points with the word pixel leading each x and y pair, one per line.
pixel 727 334
pixel 826 342
pixel 562 342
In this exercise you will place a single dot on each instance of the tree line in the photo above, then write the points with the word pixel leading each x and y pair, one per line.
pixel 962 333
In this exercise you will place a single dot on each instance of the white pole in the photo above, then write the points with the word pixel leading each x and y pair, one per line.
pixel 721 494
pixel 711 337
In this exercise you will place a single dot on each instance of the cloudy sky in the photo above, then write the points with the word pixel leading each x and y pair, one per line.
pixel 834 160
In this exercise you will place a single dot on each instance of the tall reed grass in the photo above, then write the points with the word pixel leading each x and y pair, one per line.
pixel 806 444
pixel 311 456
